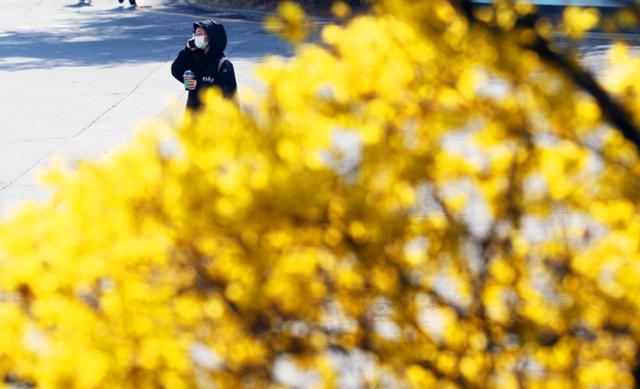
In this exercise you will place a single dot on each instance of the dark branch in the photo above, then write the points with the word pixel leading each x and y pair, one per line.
pixel 613 112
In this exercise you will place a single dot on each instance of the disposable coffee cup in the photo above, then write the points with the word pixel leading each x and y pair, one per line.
pixel 188 76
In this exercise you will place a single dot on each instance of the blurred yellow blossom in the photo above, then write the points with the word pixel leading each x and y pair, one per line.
pixel 419 192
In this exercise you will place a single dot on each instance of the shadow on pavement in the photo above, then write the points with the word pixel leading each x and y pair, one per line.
pixel 127 35
pixel 79 4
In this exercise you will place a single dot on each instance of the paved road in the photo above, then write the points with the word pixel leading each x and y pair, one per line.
pixel 75 80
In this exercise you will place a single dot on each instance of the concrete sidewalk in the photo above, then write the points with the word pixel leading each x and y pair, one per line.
pixel 77 79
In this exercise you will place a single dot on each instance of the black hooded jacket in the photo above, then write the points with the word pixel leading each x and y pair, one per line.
pixel 205 66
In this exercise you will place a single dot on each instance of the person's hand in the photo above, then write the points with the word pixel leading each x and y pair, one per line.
pixel 194 48
pixel 192 84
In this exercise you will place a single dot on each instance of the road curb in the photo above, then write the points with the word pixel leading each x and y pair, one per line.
pixel 243 13
pixel 221 11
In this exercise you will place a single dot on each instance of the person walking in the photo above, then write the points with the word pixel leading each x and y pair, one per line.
pixel 204 56
pixel 131 2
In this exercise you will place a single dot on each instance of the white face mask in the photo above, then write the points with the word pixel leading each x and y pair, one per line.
pixel 201 41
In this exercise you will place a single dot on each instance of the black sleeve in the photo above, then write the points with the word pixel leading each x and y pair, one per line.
pixel 182 63
pixel 227 79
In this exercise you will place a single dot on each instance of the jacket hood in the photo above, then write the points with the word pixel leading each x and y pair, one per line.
pixel 215 31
